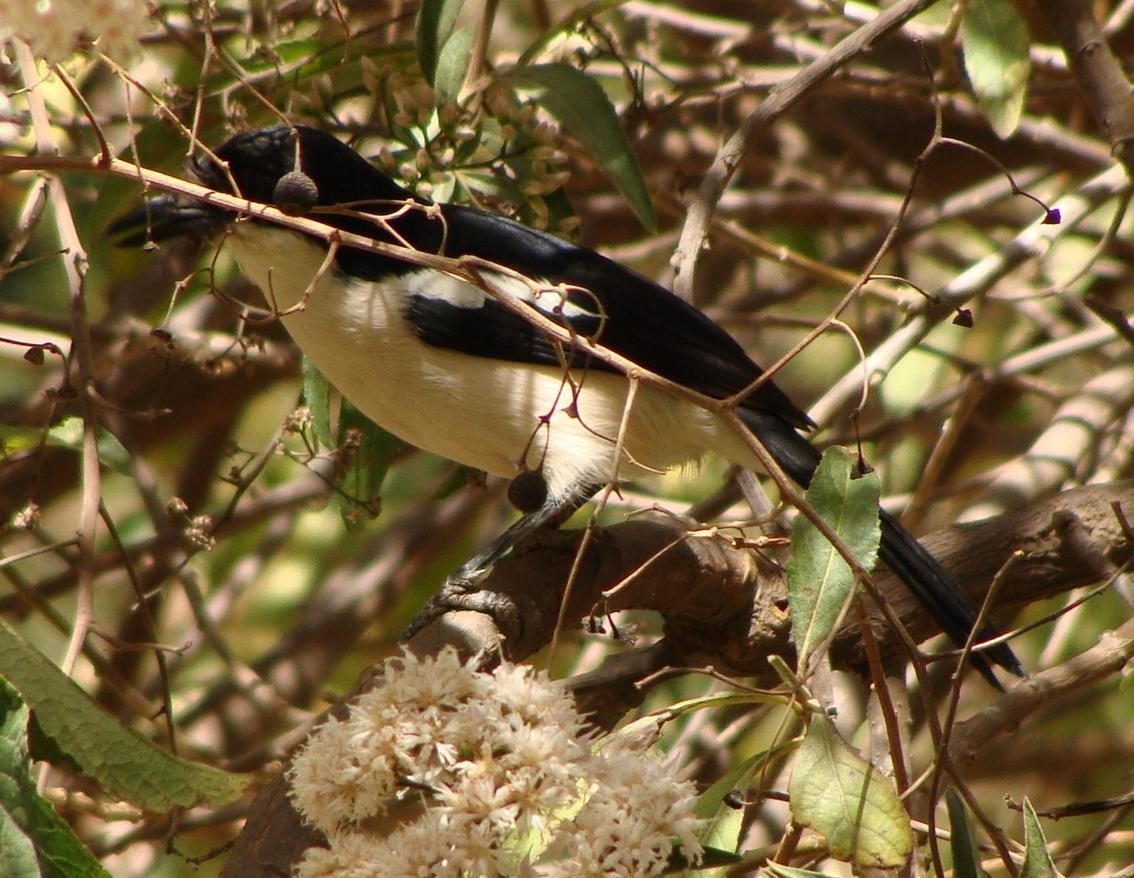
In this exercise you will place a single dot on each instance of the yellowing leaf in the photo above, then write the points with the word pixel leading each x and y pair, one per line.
pixel 838 794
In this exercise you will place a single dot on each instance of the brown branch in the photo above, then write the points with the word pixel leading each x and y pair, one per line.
pixel 1098 71
pixel 695 231
pixel 723 609
pixel 1040 692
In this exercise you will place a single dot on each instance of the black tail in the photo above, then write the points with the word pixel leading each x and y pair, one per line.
pixel 938 592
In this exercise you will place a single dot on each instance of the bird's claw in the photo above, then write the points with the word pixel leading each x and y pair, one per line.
pixel 462 591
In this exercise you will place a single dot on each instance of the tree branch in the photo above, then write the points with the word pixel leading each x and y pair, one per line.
pixel 725 609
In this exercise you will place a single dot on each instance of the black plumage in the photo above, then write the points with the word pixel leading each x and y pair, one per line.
pixel 594 297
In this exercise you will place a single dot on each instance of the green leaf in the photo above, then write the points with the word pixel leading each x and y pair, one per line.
pixel 653 722
pixel 373 447
pixel 966 859
pixel 452 65
pixel 995 42
pixel 838 794
pixel 711 858
pixel 582 107
pixel 35 842
pixel 1037 861
pixel 724 822
pixel 434 27
pixel 362 481
pixel 570 24
pixel 284 54
pixel 317 396
pixel 121 760
pixel 820 582
pixel 68 433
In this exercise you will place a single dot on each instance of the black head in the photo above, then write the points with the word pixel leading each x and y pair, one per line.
pixel 257 160
pixel 296 168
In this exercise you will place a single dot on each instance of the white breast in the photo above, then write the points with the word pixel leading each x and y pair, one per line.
pixel 486 413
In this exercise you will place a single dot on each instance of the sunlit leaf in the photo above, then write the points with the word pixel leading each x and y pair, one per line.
pixel 435 22
pixel 841 796
pixel 68 433
pixel 124 763
pixel 820 582
pixel 452 65
pixel 995 43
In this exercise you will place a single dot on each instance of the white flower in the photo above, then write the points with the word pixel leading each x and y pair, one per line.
pixel 628 822
pixel 54 28
pixel 492 771
pixel 334 782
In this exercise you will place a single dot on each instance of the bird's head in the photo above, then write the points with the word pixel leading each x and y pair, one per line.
pixel 295 168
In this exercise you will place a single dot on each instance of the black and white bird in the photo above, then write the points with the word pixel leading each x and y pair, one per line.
pixel 450 369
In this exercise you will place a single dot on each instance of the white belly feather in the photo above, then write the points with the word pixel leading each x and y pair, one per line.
pixel 478 411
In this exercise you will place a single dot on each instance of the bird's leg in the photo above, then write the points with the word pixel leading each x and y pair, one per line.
pixel 461 590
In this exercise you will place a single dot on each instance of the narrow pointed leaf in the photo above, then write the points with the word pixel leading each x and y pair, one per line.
pixel 362 482
pixel 124 763
pixel 580 105
pixel 725 823
pixel 567 26
pixel 374 448
pixel 434 27
pixel 1037 861
pixel 317 397
pixel 966 860
pixel 820 582
pixel 452 65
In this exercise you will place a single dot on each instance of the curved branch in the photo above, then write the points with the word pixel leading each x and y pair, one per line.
pixel 723 608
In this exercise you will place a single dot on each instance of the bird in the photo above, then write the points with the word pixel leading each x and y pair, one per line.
pixel 449 368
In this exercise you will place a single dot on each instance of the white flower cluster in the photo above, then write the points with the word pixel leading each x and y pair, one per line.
pixel 54 28
pixel 445 771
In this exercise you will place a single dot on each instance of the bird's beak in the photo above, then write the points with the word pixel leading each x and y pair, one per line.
pixel 163 218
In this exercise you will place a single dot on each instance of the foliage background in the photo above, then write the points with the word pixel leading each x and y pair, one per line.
pixel 270 584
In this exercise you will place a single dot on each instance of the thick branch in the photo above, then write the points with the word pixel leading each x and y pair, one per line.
pixel 1098 71
pixel 722 608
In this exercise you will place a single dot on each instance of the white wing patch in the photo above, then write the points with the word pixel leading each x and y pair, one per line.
pixel 547 298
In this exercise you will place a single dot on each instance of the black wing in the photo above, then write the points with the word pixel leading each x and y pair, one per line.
pixel 620 309
pixel 607 303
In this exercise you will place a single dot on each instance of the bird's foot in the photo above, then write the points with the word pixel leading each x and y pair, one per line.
pixel 462 591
